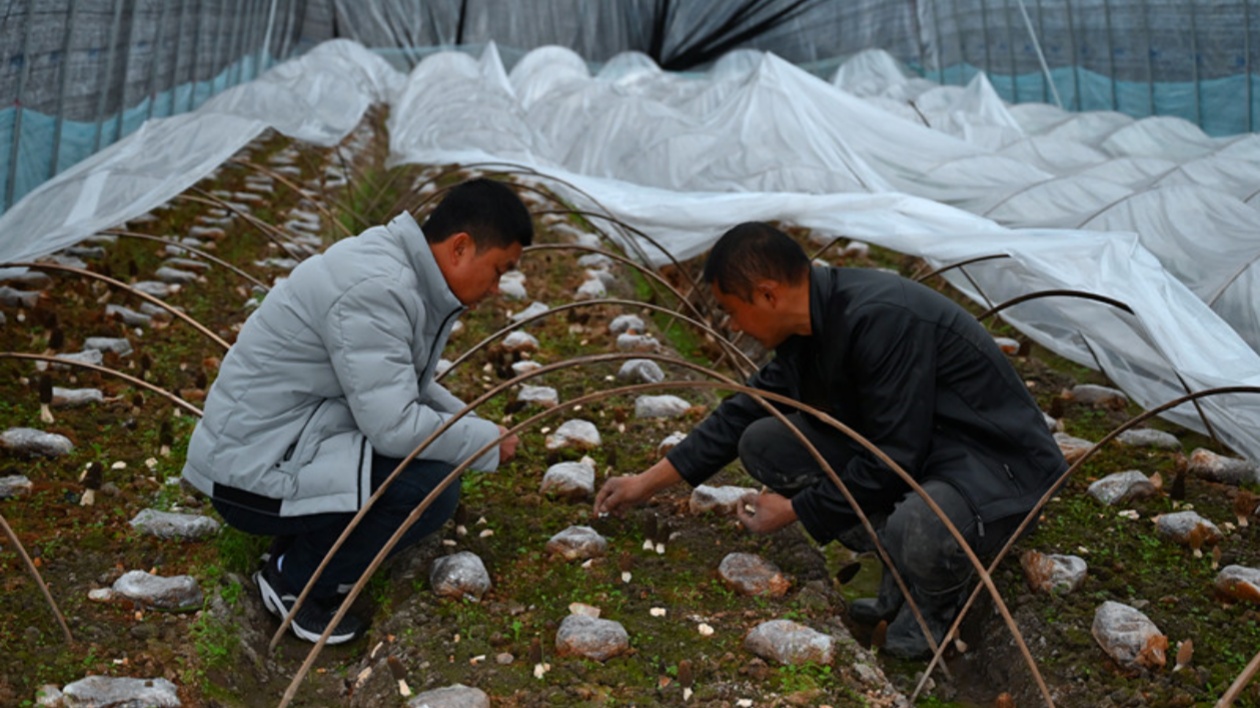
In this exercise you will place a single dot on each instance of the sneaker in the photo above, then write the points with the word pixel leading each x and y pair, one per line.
pixel 275 602
pixel 905 639
pixel 314 615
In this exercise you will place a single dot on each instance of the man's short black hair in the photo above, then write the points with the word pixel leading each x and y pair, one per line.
pixel 754 251
pixel 487 210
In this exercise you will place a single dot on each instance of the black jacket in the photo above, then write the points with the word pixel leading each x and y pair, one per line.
pixel 915 374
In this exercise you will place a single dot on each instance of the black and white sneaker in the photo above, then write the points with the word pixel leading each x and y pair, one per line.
pixel 314 615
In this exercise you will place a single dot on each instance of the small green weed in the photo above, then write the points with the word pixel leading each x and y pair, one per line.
pixel 803 677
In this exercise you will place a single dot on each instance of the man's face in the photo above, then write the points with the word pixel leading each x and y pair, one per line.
pixel 756 318
pixel 475 276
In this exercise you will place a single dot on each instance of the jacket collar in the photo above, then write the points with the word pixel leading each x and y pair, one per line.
pixel 820 282
pixel 819 286
pixel 433 285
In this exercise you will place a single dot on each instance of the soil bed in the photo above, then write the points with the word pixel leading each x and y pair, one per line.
pixel 219 655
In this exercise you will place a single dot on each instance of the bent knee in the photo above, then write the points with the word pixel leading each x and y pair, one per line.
pixel 774 456
pixel 921 539
pixel 756 440
pixel 760 451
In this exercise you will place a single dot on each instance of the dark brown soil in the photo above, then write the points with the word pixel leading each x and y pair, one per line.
pixel 220 655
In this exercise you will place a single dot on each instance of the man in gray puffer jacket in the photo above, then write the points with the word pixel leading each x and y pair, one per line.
pixel 330 384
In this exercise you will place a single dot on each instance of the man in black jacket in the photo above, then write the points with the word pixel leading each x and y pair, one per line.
pixel 903 366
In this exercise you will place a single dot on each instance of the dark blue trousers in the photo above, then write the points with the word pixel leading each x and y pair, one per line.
pixel 309 538
pixel 925 553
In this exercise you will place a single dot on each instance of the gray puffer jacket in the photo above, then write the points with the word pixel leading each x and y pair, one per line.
pixel 337 363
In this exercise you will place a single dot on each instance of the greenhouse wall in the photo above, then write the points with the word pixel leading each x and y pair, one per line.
pixel 80 74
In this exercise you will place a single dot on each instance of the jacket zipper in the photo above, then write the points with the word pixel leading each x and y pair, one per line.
pixel 436 353
pixel 362 453
pixel 288 454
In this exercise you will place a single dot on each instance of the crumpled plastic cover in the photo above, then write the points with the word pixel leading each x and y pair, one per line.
pixel 319 97
pixel 1152 215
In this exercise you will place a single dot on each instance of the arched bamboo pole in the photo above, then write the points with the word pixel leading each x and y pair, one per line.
pixel 626 261
pixel 516 168
pixel 588 215
pixel 1045 498
pixel 119 284
pixel 276 235
pixel 1244 678
pixel 294 186
pixel 197 251
pixel 109 372
pixel 39 580
pixel 762 397
pixel 590 303
pixel 30 566
pixel 1055 292
pixel 946 268
pixel 1108 301
pixel 961 266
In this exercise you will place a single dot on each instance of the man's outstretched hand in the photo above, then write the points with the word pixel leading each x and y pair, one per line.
pixel 621 492
pixel 618 493
pixel 770 512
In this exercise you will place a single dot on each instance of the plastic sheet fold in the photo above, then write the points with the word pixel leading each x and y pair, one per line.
pixel 937 172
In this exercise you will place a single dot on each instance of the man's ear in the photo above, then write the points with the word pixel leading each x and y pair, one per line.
pixel 766 291
pixel 462 245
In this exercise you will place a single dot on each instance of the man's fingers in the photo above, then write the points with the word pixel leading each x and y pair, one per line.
pixel 612 496
pixel 606 500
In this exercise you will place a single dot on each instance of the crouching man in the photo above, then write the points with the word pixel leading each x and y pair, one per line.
pixel 330 384
pixel 906 368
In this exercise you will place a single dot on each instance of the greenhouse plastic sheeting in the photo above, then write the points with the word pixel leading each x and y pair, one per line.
pixel 684 158
pixel 1189 58
pixel 319 97
pixel 1193 200
pixel 77 75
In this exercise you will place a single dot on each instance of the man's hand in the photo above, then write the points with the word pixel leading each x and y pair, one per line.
pixel 507 446
pixel 770 512
pixel 629 490
pixel 620 492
